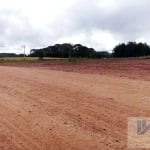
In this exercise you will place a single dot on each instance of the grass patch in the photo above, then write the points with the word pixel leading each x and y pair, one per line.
pixel 70 60
pixel 27 59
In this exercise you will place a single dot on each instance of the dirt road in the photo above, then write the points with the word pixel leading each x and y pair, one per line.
pixel 43 109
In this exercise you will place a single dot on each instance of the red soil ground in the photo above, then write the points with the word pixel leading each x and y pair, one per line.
pixel 132 68
pixel 71 106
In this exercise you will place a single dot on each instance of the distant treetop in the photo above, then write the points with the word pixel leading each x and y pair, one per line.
pixel 131 49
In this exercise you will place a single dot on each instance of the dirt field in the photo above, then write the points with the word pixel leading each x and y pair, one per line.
pixel 71 106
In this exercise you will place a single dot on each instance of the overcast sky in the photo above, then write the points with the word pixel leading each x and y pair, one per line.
pixel 100 24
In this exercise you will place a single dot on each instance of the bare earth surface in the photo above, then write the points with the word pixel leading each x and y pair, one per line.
pixel 79 106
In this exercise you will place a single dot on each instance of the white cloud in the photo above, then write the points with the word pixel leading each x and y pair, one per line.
pixel 101 38
pixel 98 23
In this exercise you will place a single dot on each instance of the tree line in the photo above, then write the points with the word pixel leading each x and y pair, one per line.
pixel 131 49
pixel 10 55
pixel 66 50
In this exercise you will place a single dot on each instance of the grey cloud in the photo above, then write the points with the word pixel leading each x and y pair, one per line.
pixel 128 20
pixel 15 30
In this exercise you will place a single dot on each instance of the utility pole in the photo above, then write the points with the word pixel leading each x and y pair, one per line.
pixel 24 49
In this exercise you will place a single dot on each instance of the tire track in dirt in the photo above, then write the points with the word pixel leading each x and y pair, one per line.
pixel 59 110
pixel 23 141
